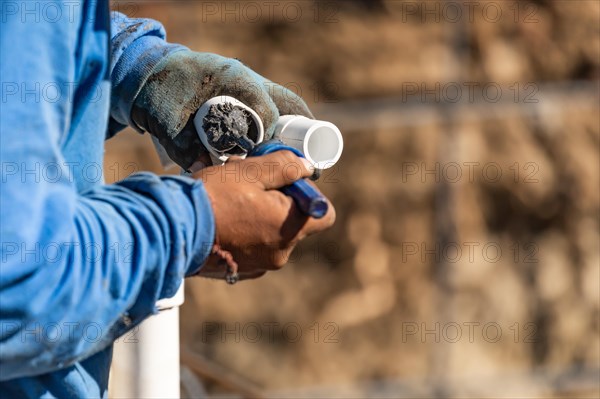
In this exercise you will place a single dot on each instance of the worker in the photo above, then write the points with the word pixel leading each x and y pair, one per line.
pixel 84 262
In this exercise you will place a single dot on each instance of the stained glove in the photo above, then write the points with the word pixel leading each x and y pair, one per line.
pixel 184 80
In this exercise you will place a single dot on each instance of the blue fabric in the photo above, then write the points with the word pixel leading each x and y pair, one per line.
pixel 81 262
pixel 133 58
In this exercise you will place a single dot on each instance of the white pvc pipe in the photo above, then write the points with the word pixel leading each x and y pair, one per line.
pixel 320 141
pixel 146 360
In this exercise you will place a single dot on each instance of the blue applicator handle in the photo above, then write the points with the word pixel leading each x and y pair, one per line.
pixel 307 199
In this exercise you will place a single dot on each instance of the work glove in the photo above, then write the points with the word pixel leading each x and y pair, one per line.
pixel 181 82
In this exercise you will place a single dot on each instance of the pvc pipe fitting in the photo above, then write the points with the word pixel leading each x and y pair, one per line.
pixel 217 157
pixel 321 142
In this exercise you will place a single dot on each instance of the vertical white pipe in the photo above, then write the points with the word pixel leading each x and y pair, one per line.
pixel 146 361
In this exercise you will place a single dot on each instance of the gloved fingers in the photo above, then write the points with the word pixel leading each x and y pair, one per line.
pixel 288 102
pixel 284 101
pixel 247 86
pixel 185 148
pixel 281 168
pixel 182 82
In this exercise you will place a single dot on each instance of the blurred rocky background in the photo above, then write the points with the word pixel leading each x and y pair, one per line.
pixel 465 257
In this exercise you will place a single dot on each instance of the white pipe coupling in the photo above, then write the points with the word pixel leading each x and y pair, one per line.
pixel 320 141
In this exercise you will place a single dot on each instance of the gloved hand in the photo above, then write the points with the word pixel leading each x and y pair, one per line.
pixel 183 81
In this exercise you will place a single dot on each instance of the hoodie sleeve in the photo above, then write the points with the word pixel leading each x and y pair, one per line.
pixel 77 270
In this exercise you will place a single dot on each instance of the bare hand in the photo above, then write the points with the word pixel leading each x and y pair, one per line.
pixel 256 223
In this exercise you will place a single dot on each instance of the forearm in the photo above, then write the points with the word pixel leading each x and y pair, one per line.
pixel 97 273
